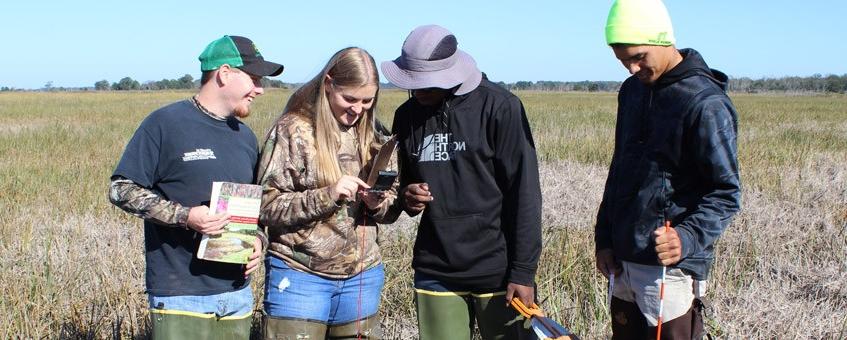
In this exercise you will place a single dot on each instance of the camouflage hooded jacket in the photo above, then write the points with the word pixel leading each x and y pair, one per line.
pixel 307 229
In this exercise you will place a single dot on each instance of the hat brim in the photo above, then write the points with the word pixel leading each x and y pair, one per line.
pixel 263 68
pixel 464 72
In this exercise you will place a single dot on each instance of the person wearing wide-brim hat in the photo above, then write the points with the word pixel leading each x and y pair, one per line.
pixel 468 163
pixel 165 177
pixel 675 160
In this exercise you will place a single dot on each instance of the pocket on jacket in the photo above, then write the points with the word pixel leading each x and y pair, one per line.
pixel 467 243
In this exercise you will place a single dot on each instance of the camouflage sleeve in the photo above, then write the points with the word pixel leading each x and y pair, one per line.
pixel 145 203
pixel 292 208
pixel 285 154
pixel 263 237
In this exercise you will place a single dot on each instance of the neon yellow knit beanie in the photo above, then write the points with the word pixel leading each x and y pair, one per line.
pixel 639 22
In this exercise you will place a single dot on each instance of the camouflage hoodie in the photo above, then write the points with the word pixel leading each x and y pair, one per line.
pixel 307 229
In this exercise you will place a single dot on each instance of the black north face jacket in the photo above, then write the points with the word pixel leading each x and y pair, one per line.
pixel 476 152
pixel 675 159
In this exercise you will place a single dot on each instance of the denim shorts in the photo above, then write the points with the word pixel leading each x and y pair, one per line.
pixel 297 295
pixel 235 304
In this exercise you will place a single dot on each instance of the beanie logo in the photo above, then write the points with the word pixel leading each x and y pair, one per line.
pixel 661 39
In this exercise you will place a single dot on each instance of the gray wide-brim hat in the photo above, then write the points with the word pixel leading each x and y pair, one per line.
pixel 430 58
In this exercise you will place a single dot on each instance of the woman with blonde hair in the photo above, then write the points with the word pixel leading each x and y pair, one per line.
pixel 324 270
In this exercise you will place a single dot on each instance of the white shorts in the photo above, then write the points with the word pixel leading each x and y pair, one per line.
pixel 639 283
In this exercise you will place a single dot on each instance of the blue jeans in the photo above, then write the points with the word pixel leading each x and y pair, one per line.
pixel 294 294
pixel 235 304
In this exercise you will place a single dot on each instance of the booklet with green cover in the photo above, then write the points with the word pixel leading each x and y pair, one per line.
pixel 242 202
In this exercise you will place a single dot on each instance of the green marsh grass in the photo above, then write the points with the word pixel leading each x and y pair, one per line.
pixel 71 265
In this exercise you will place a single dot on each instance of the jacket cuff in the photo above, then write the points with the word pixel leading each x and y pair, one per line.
pixel 521 276
pixel 602 235
pixel 264 238
pixel 600 244
pixel 686 239
pixel 327 205
pixel 182 217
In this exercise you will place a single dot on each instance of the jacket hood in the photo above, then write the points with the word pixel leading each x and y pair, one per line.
pixel 692 64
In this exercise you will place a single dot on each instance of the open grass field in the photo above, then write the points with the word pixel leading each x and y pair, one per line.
pixel 71 265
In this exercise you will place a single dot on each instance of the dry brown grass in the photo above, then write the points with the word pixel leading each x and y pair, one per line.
pixel 72 266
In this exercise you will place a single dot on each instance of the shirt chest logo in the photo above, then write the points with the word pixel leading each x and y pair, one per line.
pixel 198 154
pixel 440 147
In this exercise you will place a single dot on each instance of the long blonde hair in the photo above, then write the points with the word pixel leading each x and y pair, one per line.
pixel 349 67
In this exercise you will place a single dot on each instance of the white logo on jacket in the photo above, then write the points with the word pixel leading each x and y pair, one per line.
pixel 198 154
pixel 439 147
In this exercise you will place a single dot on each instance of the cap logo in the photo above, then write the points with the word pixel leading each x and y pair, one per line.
pixel 256 49
pixel 661 39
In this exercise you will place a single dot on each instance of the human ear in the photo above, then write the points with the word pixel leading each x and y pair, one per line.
pixel 223 74
pixel 328 88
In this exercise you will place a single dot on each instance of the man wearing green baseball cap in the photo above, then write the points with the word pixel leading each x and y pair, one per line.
pixel 675 161
pixel 165 177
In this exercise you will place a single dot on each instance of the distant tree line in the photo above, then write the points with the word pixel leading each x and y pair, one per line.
pixel 813 84
pixel 816 83
pixel 184 82
pixel 549 85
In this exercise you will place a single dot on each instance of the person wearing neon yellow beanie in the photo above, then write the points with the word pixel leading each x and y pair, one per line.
pixel 641 35
pixel 675 162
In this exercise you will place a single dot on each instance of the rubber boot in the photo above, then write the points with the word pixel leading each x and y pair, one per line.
pixel 292 329
pixel 367 328
pixel 176 325
pixel 497 320
pixel 443 316
pixel 233 328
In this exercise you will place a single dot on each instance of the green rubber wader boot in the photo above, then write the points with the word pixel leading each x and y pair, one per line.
pixel 292 329
pixel 179 326
pixel 497 320
pixel 443 316
pixel 368 328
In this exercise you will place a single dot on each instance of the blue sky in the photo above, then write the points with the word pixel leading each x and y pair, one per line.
pixel 76 43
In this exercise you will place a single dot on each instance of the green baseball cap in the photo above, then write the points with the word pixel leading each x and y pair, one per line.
pixel 237 52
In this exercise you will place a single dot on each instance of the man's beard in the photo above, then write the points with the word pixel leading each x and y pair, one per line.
pixel 241 111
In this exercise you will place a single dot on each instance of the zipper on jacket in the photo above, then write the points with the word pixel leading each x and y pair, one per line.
pixel 645 119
